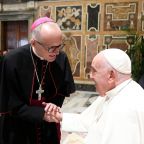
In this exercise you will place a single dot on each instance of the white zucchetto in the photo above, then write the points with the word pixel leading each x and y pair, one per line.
pixel 118 59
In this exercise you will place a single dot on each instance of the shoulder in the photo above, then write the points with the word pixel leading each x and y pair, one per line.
pixel 17 53
pixel 17 57
pixel 62 54
pixel 62 57
pixel 61 61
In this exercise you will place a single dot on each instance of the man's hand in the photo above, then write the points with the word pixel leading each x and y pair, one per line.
pixel 52 113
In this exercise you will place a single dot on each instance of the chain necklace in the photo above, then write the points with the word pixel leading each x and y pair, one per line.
pixel 40 90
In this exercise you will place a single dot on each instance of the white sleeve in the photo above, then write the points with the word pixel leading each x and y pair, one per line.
pixel 71 122
pixel 81 122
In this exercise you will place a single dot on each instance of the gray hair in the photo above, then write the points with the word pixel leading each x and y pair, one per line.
pixel 36 32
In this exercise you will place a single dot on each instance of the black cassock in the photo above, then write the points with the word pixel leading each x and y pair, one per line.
pixel 22 113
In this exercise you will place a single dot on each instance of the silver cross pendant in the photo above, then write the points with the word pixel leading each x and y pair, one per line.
pixel 39 92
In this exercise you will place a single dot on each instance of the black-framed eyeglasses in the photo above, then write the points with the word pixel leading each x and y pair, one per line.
pixel 52 48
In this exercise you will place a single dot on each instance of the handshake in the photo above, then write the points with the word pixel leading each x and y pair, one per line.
pixel 52 113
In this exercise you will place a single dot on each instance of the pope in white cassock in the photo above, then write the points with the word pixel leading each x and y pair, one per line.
pixel 117 115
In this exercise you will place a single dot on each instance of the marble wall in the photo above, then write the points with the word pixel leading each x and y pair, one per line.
pixel 90 26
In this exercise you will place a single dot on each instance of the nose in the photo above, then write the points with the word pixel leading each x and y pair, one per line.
pixel 90 75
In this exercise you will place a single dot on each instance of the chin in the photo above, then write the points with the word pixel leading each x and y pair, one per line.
pixel 53 59
pixel 50 59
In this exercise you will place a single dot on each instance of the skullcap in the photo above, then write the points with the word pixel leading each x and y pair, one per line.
pixel 40 21
pixel 118 59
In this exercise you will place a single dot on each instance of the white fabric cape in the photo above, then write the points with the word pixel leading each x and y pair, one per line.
pixel 117 118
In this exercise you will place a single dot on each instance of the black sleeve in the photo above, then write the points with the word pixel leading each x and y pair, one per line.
pixel 12 100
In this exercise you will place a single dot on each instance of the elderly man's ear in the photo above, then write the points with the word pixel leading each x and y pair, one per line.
pixel 112 76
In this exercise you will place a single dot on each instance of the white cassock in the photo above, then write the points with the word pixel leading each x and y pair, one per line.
pixel 117 118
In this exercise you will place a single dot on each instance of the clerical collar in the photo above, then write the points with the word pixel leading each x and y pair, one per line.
pixel 33 49
pixel 110 94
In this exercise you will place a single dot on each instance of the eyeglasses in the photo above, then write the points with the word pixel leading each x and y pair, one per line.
pixel 52 48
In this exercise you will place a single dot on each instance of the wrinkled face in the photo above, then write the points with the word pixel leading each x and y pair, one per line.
pixel 101 75
pixel 49 53
pixel 49 43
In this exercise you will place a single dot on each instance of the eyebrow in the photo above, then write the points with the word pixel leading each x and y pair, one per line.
pixel 56 46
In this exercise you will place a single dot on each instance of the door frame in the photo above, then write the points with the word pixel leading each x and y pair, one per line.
pixel 15 16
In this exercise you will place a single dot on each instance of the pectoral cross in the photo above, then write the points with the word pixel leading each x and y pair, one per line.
pixel 39 92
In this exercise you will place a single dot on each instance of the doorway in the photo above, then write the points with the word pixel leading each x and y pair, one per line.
pixel 14 34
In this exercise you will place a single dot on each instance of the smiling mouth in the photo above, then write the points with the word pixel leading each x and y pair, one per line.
pixel 52 57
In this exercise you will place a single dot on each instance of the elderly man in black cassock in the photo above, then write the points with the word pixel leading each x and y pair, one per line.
pixel 33 78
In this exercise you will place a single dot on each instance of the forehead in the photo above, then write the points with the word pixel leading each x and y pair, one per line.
pixel 97 60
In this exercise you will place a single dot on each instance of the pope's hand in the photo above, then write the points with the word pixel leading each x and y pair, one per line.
pixel 52 113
